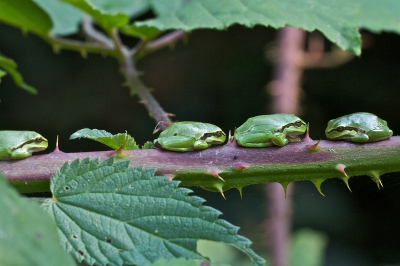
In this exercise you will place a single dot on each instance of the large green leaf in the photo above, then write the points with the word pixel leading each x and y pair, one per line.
pixel 382 15
pixel 338 20
pixel 28 236
pixel 330 17
pixel 26 15
pixel 107 213
pixel 10 66
pixel 65 17
pixel 106 20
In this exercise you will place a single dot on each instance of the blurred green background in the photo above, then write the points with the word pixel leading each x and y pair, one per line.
pixel 220 77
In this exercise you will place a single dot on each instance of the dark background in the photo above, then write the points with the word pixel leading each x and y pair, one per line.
pixel 220 77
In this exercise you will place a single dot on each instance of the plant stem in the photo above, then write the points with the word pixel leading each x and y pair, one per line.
pixel 237 166
pixel 285 99
pixel 157 44
pixel 136 85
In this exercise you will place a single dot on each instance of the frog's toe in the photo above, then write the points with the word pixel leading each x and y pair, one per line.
pixel 280 140
pixel 200 145
pixel 360 137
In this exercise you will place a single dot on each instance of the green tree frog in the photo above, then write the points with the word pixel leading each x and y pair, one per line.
pixel 188 136
pixel 20 144
pixel 268 130
pixel 358 127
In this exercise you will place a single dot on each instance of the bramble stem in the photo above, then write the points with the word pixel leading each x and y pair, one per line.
pixel 238 166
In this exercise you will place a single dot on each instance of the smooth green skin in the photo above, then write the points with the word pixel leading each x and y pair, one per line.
pixel 268 130
pixel 16 145
pixel 189 136
pixel 358 127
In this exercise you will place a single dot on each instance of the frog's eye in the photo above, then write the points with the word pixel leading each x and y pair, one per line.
pixel 175 134
pixel 298 123
pixel 339 129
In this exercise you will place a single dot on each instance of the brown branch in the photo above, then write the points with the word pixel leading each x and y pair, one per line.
pixel 285 91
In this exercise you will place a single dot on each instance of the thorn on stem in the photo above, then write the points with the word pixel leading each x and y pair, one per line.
pixel 307 136
pixel 375 176
pixel 215 173
pixel 317 183
pixel 156 129
pixel 340 167
pixel 219 187
pixel 314 147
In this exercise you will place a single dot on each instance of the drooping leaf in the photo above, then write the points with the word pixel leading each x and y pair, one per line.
pixel 25 14
pixel 10 67
pixel 106 20
pixel 106 138
pixel 28 235
pixel 109 213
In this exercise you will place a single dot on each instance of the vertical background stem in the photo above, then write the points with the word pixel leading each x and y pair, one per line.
pixel 285 91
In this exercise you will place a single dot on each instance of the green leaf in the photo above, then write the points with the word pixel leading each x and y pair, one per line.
pixel 183 262
pixel 10 66
pixel 308 248
pixel 148 145
pixel 165 7
pixel 332 18
pixel 26 15
pixel 143 32
pixel 106 20
pixel 131 8
pixel 106 138
pixel 65 17
pixel 28 235
pixel 108 213
pixel 378 16
pixel 338 20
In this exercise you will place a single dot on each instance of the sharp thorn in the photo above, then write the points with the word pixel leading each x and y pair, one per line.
pixel 219 188
pixel 317 183
pixel 375 176
pixel 240 192
pixel 215 173
pixel 340 167
pixel 284 186
pixel 307 136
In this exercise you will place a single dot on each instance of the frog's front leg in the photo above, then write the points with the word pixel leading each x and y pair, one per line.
pixel 175 143
pixel 360 137
pixel 20 154
pixel 200 145
pixel 279 139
